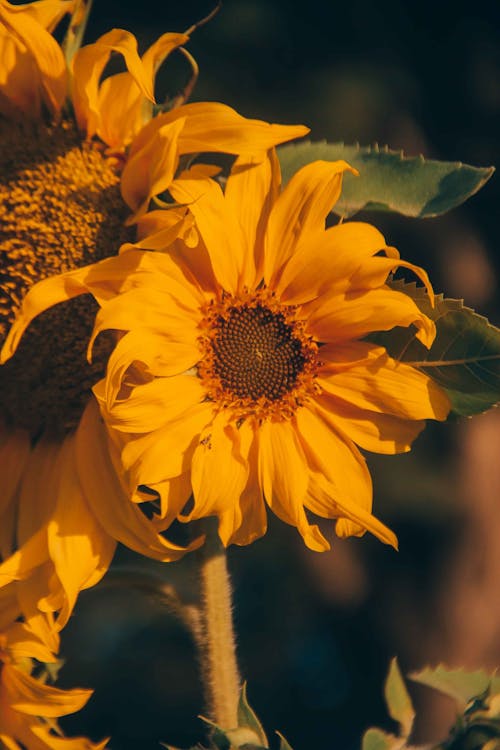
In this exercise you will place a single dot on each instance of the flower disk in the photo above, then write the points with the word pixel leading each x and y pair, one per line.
pixel 61 209
pixel 257 358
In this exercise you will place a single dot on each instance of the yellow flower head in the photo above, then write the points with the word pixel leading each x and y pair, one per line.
pixel 244 372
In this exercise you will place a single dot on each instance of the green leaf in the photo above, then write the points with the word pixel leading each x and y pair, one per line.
pixel 376 739
pixel 461 685
pixel 284 744
pixel 464 358
pixel 398 700
pixel 390 181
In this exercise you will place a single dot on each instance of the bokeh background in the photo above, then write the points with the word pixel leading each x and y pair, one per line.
pixel 316 632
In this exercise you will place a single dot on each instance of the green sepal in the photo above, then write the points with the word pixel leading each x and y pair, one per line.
pixel 398 700
pixel 248 718
pixel 241 738
pixel 248 735
pixel 284 744
pixel 376 739
pixel 464 358
pixel 389 180
pixel 461 685
pixel 52 669
pixel 76 29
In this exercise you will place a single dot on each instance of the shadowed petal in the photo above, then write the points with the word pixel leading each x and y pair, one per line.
pixel 31 696
pixel 284 477
pixel 99 472
pixel 219 474
pixel 355 315
pixel 389 387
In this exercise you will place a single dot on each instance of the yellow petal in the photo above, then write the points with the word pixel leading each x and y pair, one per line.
pixel 47 13
pixel 325 261
pixel 375 274
pixel 230 255
pixel 23 643
pixel 88 65
pixel 50 74
pixel 99 473
pixel 103 279
pixel 219 473
pixel 20 85
pixel 338 459
pixel 301 208
pixel 39 482
pixel 43 733
pixel 22 562
pixel 40 591
pixel 150 170
pixel 9 607
pixel 251 501
pixel 175 320
pixel 78 545
pixel 211 126
pixel 167 452
pixel 339 481
pixel 389 387
pixel 251 190
pixel 352 316
pixel 14 454
pixel 122 105
pixel 123 110
pixel 159 229
pixel 151 405
pixel 30 696
pixel 174 494
pixel 159 51
pixel 284 477
pixel 9 743
pixel 372 431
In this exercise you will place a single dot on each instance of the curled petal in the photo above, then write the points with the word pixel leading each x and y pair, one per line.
pixel 150 170
pixel 30 696
pixel 383 385
pixel 301 208
pixel 122 105
pixel 211 126
pixel 354 315
pixel 33 64
pixel 104 486
pixel 87 68
pixel 219 474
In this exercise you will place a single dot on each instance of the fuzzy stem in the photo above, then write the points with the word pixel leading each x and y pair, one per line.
pixel 217 647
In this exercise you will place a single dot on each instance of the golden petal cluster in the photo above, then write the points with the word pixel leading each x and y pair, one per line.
pixel 244 374
pixel 29 705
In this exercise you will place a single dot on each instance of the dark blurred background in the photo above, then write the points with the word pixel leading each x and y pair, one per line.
pixel 316 632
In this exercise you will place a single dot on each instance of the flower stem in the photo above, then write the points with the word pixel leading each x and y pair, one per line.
pixel 217 646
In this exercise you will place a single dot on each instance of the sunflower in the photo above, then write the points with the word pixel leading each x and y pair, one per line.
pixel 28 705
pixel 80 160
pixel 245 372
